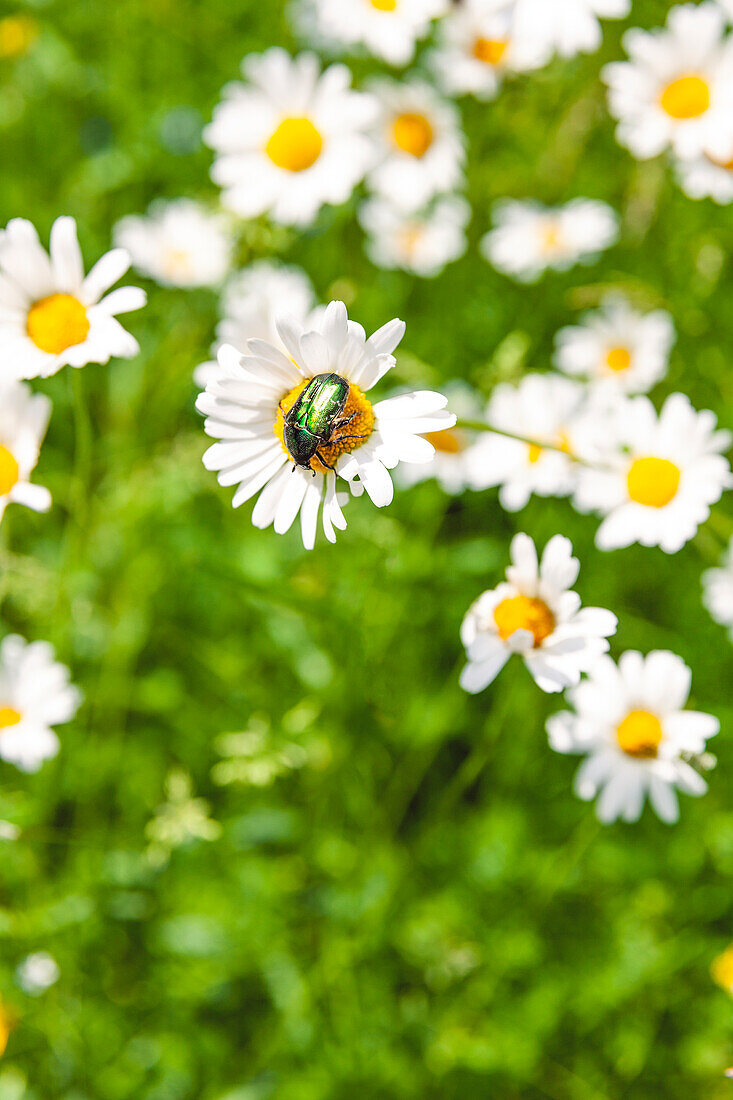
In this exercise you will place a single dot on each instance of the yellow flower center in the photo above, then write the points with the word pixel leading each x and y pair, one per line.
pixel 448 442
pixel 550 237
pixel 17 32
pixel 9 471
pixel 489 50
pixel 295 145
pixel 354 434
pixel 721 970
pixel 384 5
pixel 618 359
pixel 653 481
pixel 727 164
pixel 412 133
pixel 640 734
pixel 686 97
pixel 177 263
pixel 9 716
pixel 409 237
pixel 561 443
pixel 524 613
pixel 6 1025
pixel 57 323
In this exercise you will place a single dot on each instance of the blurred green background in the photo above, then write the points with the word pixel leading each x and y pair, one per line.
pixel 406 900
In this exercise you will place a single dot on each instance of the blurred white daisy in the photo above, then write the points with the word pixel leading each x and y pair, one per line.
pixel 291 138
pixel 389 29
pixel 250 303
pixel 35 695
pixel 246 405
pixel 657 475
pixel 629 720
pixel 717 587
pixel 451 464
pixel 24 418
pixel 543 408
pixel 617 347
pixel 420 144
pixel 421 242
pixel 530 238
pixel 677 89
pixel 703 178
pixel 567 27
pixel 50 313
pixel 178 243
pixel 535 614
pixel 477 48
pixel 37 973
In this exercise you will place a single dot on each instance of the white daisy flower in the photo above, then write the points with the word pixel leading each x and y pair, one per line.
pixel 718 591
pixel 567 27
pixel 657 475
pixel 246 405
pixel 543 408
pixel 35 695
pixel 677 89
pixel 389 29
pixel 52 315
pixel 250 303
pixel 37 973
pixel 420 143
pixel 24 418
pixel 617 347
pixel 530 238
pixel 629 720
pixel 478 47
pixel 291 138
pixel 451 464
pixel 705 178
pixel 536 615
pixel 419 242
pixel 178 243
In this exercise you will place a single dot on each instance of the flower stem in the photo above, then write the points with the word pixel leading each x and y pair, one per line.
pixel 79 497
pixel 481 426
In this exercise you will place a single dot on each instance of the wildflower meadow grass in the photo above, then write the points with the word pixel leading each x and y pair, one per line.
pixel 281 854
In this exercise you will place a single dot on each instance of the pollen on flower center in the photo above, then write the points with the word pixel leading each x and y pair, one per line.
pixel 489 50
pixel 618 359
pixel 640 734
pixel 57 323
pixel 347 439
pixel 449 441
pixel 653 481
pixel 9 716
pixel 384 5
pixel 412 133
pixel 524 613
pixel 534 453
pixel 686 97
pixel 9 471
pixel 295 145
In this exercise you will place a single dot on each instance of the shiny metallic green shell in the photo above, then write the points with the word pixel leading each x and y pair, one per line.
pixel 310 422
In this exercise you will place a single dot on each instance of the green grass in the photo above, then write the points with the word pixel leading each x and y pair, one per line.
pixel 419 908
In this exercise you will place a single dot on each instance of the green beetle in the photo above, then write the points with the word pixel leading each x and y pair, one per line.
pixel 315 418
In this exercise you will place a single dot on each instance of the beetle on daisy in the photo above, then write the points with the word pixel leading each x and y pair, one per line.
pixel 289 422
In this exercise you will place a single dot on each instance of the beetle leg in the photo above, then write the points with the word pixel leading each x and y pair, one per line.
pixel 323 463
pixel 344 420
pixel 346 438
